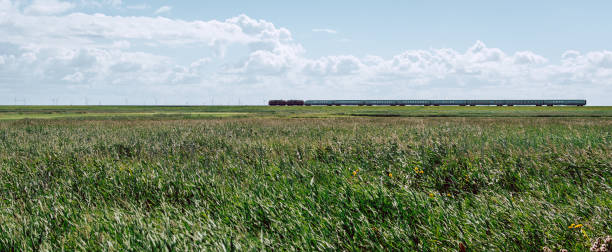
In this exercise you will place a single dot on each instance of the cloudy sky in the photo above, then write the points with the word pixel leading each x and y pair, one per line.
pixel 246 52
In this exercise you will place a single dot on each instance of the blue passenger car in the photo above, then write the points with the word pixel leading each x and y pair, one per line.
pixel 445 102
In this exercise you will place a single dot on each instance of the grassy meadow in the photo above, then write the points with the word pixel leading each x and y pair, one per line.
pixel 195 112
pixel 304 178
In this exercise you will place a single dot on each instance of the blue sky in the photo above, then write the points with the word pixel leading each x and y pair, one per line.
pixel 193 52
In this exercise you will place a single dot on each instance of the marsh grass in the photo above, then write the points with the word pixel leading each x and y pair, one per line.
pixel 314 184
pixel 197 112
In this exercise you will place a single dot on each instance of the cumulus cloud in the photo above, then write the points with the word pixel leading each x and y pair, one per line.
pixel 527 57
pixel 48 7
pixel 334 65
pixel 79 29
pixel 163 9
pixel 118 56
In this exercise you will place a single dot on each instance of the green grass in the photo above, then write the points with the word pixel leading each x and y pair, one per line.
pixel 271 181
pixel 118 115
pixel 49 112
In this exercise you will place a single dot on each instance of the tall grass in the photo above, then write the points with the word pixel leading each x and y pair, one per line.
pixel 339 183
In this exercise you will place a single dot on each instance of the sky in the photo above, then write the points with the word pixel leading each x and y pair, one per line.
pixel 246 52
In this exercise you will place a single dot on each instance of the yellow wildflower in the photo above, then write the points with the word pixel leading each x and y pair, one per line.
pixel 448 194
pixel 390 175
pixel 431 195
pixel 418 170
pixel 572 226
pixel 354 173
pixel 578 226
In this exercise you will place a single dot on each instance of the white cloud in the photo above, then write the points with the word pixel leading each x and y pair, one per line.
pixel 75 77
pixel 163 9
pixel 201 62
pixel 334 65
pixel 48 7
pixel 527 57
pixel 122 44
pixel 101 3
pixel 114 3
pixel 80 29
pixel 479 52
pixel 330 31
pixel 570 54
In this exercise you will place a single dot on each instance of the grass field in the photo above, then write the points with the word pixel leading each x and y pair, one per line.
pixel 190 112
pixel 312 178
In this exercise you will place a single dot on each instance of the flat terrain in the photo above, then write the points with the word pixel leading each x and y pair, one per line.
pixel 312 178
pixel 191 112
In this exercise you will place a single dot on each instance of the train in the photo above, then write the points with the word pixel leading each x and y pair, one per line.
pixel 427 103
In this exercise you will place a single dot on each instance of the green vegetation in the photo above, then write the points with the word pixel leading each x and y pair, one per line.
pixel 194 112
pixel 268 180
